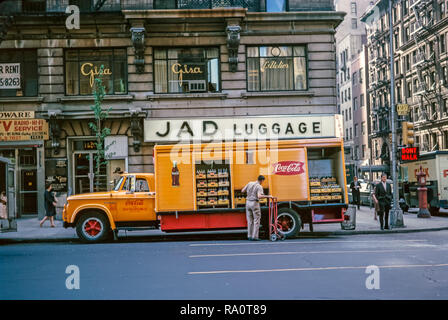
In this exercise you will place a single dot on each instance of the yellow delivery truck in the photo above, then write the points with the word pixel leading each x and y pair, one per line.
pixel 198 187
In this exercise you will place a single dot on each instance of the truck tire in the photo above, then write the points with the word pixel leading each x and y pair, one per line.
pixel 289 221
pixel 93 227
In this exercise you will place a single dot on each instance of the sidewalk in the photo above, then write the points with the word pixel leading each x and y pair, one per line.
pixel 29 231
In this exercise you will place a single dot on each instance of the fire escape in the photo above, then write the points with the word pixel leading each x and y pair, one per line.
pixel 379 90
pixel 429 71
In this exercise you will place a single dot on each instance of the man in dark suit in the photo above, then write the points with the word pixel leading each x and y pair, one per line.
pixel 383 195
pixel 356 193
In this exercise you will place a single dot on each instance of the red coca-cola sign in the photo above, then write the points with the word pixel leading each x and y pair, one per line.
pixel 288 168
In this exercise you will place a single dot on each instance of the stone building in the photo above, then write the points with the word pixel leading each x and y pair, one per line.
pixel 420 66
pixel 165 61
pixel 350 38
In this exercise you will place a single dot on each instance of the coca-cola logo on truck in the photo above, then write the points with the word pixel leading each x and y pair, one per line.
pixel 288 168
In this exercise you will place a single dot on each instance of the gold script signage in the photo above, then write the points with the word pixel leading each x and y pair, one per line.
pixel 274 64
pixel 89 70
pixel 23 129
pixel 177 68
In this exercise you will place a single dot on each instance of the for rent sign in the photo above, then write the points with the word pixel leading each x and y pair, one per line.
pixel 9 75
pixel 23 129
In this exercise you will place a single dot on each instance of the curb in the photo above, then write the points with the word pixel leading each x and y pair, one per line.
pixel 206 237
pixel 398 230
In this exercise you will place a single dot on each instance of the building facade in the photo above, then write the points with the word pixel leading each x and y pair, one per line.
pixel 420 64
pixel 162 60
pixel 350 38
pixel 359 67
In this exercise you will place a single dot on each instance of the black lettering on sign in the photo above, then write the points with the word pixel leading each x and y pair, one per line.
pixel 236 131
pixel 207 123
pixel 316 127
pixel 302 127
pixel 185 128
pixel 166 132
pixel 289 129
pixel 249 130
pixel 276 128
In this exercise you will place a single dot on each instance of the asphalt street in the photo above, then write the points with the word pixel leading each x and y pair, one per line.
pixel 411 266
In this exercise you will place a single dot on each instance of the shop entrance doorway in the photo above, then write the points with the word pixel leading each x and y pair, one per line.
pixel 86 178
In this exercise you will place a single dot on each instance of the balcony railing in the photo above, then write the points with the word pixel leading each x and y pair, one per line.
pixel 251 5
pixel 11 7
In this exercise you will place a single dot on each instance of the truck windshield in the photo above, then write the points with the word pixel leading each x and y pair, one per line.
pixel 117 186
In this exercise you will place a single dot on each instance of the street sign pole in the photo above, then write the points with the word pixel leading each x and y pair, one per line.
pixel 396 214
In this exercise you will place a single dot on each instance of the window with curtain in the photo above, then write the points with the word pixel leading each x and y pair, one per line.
pixel 83 66
pixel 276 68
pixel 185 70
pixel 18 73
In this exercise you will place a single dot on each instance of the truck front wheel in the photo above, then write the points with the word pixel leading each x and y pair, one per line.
pixel 288 222
pixel 93 227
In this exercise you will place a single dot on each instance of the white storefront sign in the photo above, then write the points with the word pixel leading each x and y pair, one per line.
pixel 238 128
pixel 10 76
pixel 117 147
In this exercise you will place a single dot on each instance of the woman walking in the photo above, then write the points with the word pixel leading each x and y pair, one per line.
pixel 50 204
pixel 3 206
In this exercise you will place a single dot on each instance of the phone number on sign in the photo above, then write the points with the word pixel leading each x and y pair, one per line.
pixel 9 82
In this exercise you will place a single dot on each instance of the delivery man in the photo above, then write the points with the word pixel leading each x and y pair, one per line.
pixel 254 192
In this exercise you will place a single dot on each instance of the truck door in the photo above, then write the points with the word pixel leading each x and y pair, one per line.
pixel 135 202
pixel 7 184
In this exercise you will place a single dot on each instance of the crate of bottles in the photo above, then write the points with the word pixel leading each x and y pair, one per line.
pixel 223 201
pixel 212 173
pixel 223 173
pixel 202 184
pixel 212 201
pixel 200 174
pixel 212 183
pixel 212 192
pixel 223 192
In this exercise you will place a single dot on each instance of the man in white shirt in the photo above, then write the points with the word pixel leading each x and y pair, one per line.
pixel 253 212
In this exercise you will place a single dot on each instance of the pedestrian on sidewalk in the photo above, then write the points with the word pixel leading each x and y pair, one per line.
pixel 254 192
pixel 374 202
pixel 50 205
pixel 356 192
pixel 383 195
pixel 3 206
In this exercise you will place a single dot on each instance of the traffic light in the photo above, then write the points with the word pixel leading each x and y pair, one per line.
pixel 407 131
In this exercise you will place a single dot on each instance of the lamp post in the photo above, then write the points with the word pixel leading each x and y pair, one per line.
pixel 396 214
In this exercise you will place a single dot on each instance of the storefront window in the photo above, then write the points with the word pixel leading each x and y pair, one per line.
pixel 276 68
pixel 18 73
pixel 184 70
pixel 83 66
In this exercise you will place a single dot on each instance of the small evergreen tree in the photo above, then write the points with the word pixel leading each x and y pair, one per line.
pixel 100 115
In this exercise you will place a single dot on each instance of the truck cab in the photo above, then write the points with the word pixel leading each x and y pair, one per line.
pixel 130 205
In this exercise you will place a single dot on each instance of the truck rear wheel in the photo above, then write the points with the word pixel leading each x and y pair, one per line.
pixel 93 227
pixel 289 222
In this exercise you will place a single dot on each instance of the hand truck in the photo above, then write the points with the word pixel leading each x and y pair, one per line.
pixel 274 225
